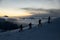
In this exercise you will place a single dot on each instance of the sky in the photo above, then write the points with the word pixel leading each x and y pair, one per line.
pixel 29 3
pixel 16 4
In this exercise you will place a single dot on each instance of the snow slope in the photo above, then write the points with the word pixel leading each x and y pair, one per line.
pixel 45 32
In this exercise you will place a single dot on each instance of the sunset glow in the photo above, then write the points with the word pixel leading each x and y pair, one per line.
pixel 14 12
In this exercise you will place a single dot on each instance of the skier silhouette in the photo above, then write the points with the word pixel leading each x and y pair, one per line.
pixel 21 28
pixel 49 18
pixel 39 22
pixel 30 25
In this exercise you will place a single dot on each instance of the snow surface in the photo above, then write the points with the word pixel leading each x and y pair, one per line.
pixel 45 32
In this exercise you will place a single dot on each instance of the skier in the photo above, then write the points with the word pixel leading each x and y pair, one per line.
pixel 21 28
pixel 30 25
pixel 39 22
pixel 49 18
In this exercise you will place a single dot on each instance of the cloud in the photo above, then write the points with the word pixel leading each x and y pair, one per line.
pixel 0 0
pixel 30 3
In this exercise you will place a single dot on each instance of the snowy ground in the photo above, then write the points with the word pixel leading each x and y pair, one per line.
pixel 45 32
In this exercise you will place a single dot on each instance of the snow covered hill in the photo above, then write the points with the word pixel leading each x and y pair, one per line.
pixel 45 32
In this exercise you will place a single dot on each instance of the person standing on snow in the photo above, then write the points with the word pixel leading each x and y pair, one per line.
pixel 39 22
pixel 30 25
pixel 21 28
pixel 49 19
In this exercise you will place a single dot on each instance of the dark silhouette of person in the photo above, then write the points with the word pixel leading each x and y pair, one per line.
pixel 21 28
pixel 39 22
pixel 49 18
pixel 30 25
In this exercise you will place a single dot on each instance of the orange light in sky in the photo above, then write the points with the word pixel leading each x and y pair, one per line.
pixel 14 12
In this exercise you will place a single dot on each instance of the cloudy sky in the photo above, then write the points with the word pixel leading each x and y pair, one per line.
pixel 30 3
pixel 9 7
